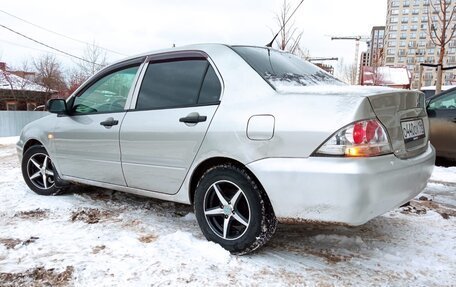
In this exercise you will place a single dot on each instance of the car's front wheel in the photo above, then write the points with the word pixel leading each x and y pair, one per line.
pixel 39 172
pixel 232 210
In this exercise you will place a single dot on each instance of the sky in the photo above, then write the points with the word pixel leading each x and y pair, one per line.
pixel 136 26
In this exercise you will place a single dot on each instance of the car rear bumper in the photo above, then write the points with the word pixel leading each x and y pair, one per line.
pixel 341 190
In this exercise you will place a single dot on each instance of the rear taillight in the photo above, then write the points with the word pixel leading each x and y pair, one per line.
pixel 360 139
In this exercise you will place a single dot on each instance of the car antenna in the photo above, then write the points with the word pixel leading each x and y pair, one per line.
pixel 283 26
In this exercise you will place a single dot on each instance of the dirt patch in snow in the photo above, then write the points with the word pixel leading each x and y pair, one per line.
pixel 147 238
pixel 91 215
pixel 423 205
pixel 11 243
pixel 33 214
pixel 98 248
pixel 38 276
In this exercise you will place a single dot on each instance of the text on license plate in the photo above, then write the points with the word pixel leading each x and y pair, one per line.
pixel 412 130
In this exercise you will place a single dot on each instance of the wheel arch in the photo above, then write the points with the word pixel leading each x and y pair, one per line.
pixel 30 143
pixel 215 161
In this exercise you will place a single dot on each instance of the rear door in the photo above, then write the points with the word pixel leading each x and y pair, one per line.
pixel 163 131
pixel 442 118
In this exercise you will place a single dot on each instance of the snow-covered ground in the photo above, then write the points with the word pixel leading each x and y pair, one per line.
pixel 95 237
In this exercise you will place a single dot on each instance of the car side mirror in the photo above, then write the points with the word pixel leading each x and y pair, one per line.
pixel 57 106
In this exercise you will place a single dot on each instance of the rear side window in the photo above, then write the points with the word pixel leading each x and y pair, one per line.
pixel 176 84
pixel 211 88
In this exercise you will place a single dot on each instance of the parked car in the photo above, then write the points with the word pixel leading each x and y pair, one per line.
pixel 442 117
pixel 429 91
pixel 248 135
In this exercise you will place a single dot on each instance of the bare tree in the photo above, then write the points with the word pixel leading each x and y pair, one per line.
pixel 49 74
pixel 440 31
pixel 11 83
pixel 290 37
pixel 74 79
pixel 94 60
pixel 347 72
pixel 376 64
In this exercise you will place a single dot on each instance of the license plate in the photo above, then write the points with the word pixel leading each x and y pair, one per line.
pixel 412 130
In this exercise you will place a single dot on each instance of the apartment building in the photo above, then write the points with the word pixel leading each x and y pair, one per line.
pixel 376 46
pixel 408 43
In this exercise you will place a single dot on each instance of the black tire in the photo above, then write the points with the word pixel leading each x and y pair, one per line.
pixel 33 163
pixel 250 207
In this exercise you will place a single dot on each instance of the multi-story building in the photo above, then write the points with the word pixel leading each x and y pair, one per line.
pixel 408 43
pixel 376 46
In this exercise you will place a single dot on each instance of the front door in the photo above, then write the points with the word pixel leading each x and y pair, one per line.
pixel 86 141
pixel 160 138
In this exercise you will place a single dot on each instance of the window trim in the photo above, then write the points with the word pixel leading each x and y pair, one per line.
pixel 101 74
pixel 176 56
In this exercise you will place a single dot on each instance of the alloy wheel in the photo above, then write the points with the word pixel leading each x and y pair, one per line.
pixel 40 171
pixel 227 210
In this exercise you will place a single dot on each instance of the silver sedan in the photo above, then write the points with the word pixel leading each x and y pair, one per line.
pixel 250 136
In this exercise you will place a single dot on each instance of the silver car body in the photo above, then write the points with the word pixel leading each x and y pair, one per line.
pixel 273 134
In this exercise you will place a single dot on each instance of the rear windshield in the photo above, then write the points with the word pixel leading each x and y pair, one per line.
pixel 282 69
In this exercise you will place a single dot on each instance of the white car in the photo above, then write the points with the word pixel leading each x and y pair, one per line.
pixel 248 135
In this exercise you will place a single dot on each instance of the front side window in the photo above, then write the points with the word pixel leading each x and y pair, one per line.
pixel 178 83
pixel 107 95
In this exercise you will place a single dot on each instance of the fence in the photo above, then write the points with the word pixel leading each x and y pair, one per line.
pixel 12 122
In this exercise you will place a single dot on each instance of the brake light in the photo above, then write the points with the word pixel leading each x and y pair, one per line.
pixel 360 139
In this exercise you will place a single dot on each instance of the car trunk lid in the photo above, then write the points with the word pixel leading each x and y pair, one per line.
pixel 403 113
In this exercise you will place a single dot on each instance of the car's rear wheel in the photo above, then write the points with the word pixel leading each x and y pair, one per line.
pixel 39 172
pixel 232 210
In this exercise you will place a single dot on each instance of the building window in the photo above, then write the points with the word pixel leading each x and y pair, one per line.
pixel 390 51
pixel 389 59
pixel 405 20
pixel 403 43
pixel 11 106
pixel 392 36
pixel 394 11
pixel 429 60
pixel 392 44
pixel 393 28
pixel 393 20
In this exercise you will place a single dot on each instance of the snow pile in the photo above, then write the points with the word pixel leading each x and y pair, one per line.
pixel 444 174
pixel 8 140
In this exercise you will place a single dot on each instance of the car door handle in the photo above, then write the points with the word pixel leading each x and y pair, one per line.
pixel 193 118
pixel 109 122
